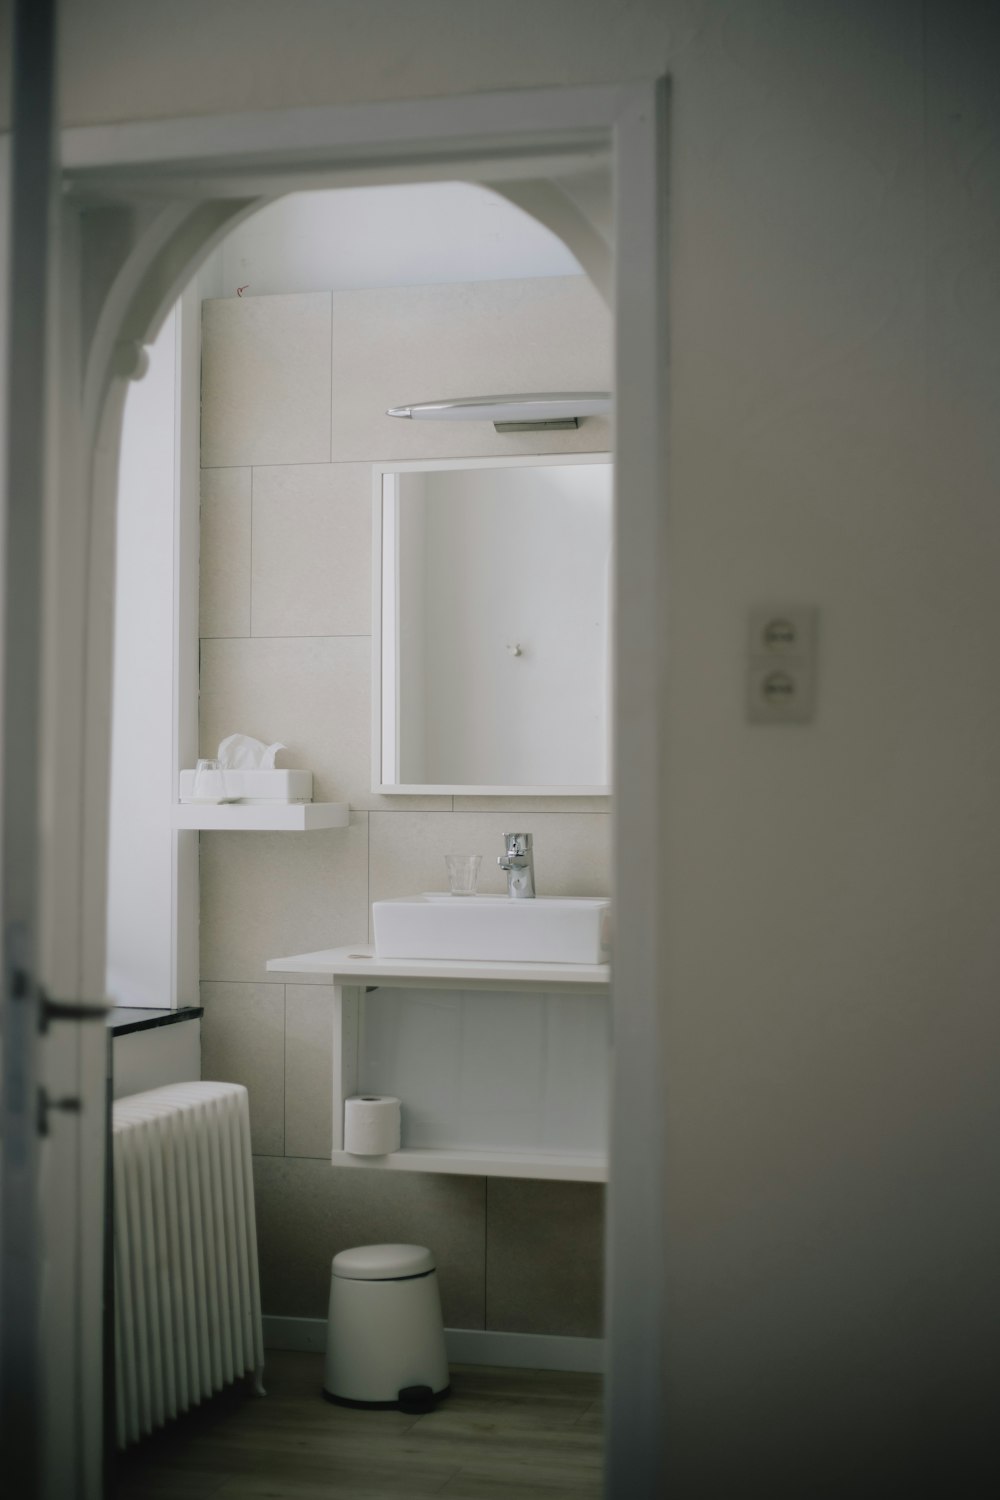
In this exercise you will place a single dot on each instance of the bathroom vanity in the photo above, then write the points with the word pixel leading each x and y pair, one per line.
pixel 502 1067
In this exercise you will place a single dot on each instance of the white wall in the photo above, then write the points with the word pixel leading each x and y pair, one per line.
pixel 831 1019
pixel 5 176
pixel 136 59
pixel 387 236
pixel 140 872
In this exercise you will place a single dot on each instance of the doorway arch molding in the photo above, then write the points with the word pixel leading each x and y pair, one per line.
pixel 145 203
pixel 138 257
pixel 145 255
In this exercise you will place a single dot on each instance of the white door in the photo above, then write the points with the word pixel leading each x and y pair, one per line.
pixel 52 1036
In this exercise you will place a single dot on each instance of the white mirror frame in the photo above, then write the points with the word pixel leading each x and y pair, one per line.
pixel 385 726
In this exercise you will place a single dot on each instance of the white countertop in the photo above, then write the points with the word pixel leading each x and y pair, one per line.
pixel 359 965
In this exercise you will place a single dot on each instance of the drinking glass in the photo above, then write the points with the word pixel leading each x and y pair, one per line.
pixel 209 781
pixel 463 873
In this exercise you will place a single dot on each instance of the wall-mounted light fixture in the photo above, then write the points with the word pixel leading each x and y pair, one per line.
pixel 519 413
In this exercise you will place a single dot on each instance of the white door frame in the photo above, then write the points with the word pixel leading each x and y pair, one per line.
pixel 22 1216
pixel 152 200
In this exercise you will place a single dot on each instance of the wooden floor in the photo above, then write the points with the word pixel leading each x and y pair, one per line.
pixel 499 1435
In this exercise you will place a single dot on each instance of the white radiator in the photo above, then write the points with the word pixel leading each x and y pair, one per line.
pixel 187 1291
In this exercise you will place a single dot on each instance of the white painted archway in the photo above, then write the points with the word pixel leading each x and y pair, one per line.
pixel 146 204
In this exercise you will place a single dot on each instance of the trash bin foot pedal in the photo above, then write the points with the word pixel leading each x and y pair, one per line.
pixel 415 1400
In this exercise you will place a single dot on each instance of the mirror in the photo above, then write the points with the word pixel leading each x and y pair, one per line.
pixel 490 629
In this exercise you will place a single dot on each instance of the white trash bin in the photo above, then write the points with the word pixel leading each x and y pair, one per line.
pixel 384 1334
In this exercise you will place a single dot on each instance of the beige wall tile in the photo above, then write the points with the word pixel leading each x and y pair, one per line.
pixel 265 380
pixel 225 552
pixel 267 895
pixel 533 804
pixel 572 851
pixel 393 345
pixel 311 692
pixel 312 526
pixel 309 1210
pixel 544 1257
pixel 243 1041
pixel 309 1070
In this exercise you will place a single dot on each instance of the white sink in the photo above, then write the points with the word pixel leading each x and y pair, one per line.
pixel 554 930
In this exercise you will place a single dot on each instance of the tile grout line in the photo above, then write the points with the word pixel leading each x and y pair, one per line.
pixel 284 1069
pixel 250 578
pixel 316 463
pixel 366 462
pixel 346 636
pixel 487 812
pixel 486 1254
pixel 329 404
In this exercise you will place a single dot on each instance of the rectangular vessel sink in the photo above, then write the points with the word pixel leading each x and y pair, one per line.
pixel 554 930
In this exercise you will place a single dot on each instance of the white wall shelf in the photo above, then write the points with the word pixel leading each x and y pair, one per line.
pixel 562 1166
pixel 353 971
pixel 260 817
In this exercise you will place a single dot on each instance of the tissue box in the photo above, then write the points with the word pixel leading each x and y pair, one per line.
pixel 258 786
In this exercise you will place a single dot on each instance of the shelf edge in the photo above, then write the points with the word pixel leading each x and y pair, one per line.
pixel 548 1166
pixel 249 817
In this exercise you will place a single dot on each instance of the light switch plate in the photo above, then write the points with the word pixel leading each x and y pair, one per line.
pixel 781 664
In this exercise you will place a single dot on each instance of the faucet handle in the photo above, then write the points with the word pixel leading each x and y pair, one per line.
pixel 517 843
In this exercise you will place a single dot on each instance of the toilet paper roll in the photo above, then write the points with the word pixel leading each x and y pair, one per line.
pixel 371 1124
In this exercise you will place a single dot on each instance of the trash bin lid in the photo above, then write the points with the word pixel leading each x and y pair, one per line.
pixel 382 1262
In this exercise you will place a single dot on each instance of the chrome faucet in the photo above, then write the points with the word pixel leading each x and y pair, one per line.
pixel 519 864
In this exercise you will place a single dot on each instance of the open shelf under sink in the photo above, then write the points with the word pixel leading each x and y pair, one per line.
pixel 572 1002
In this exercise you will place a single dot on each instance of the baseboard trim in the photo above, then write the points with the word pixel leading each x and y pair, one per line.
pixel 294 1333
pixel 465 1346
pixel 524 1351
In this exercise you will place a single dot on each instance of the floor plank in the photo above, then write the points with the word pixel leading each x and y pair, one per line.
pixel 516 1434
